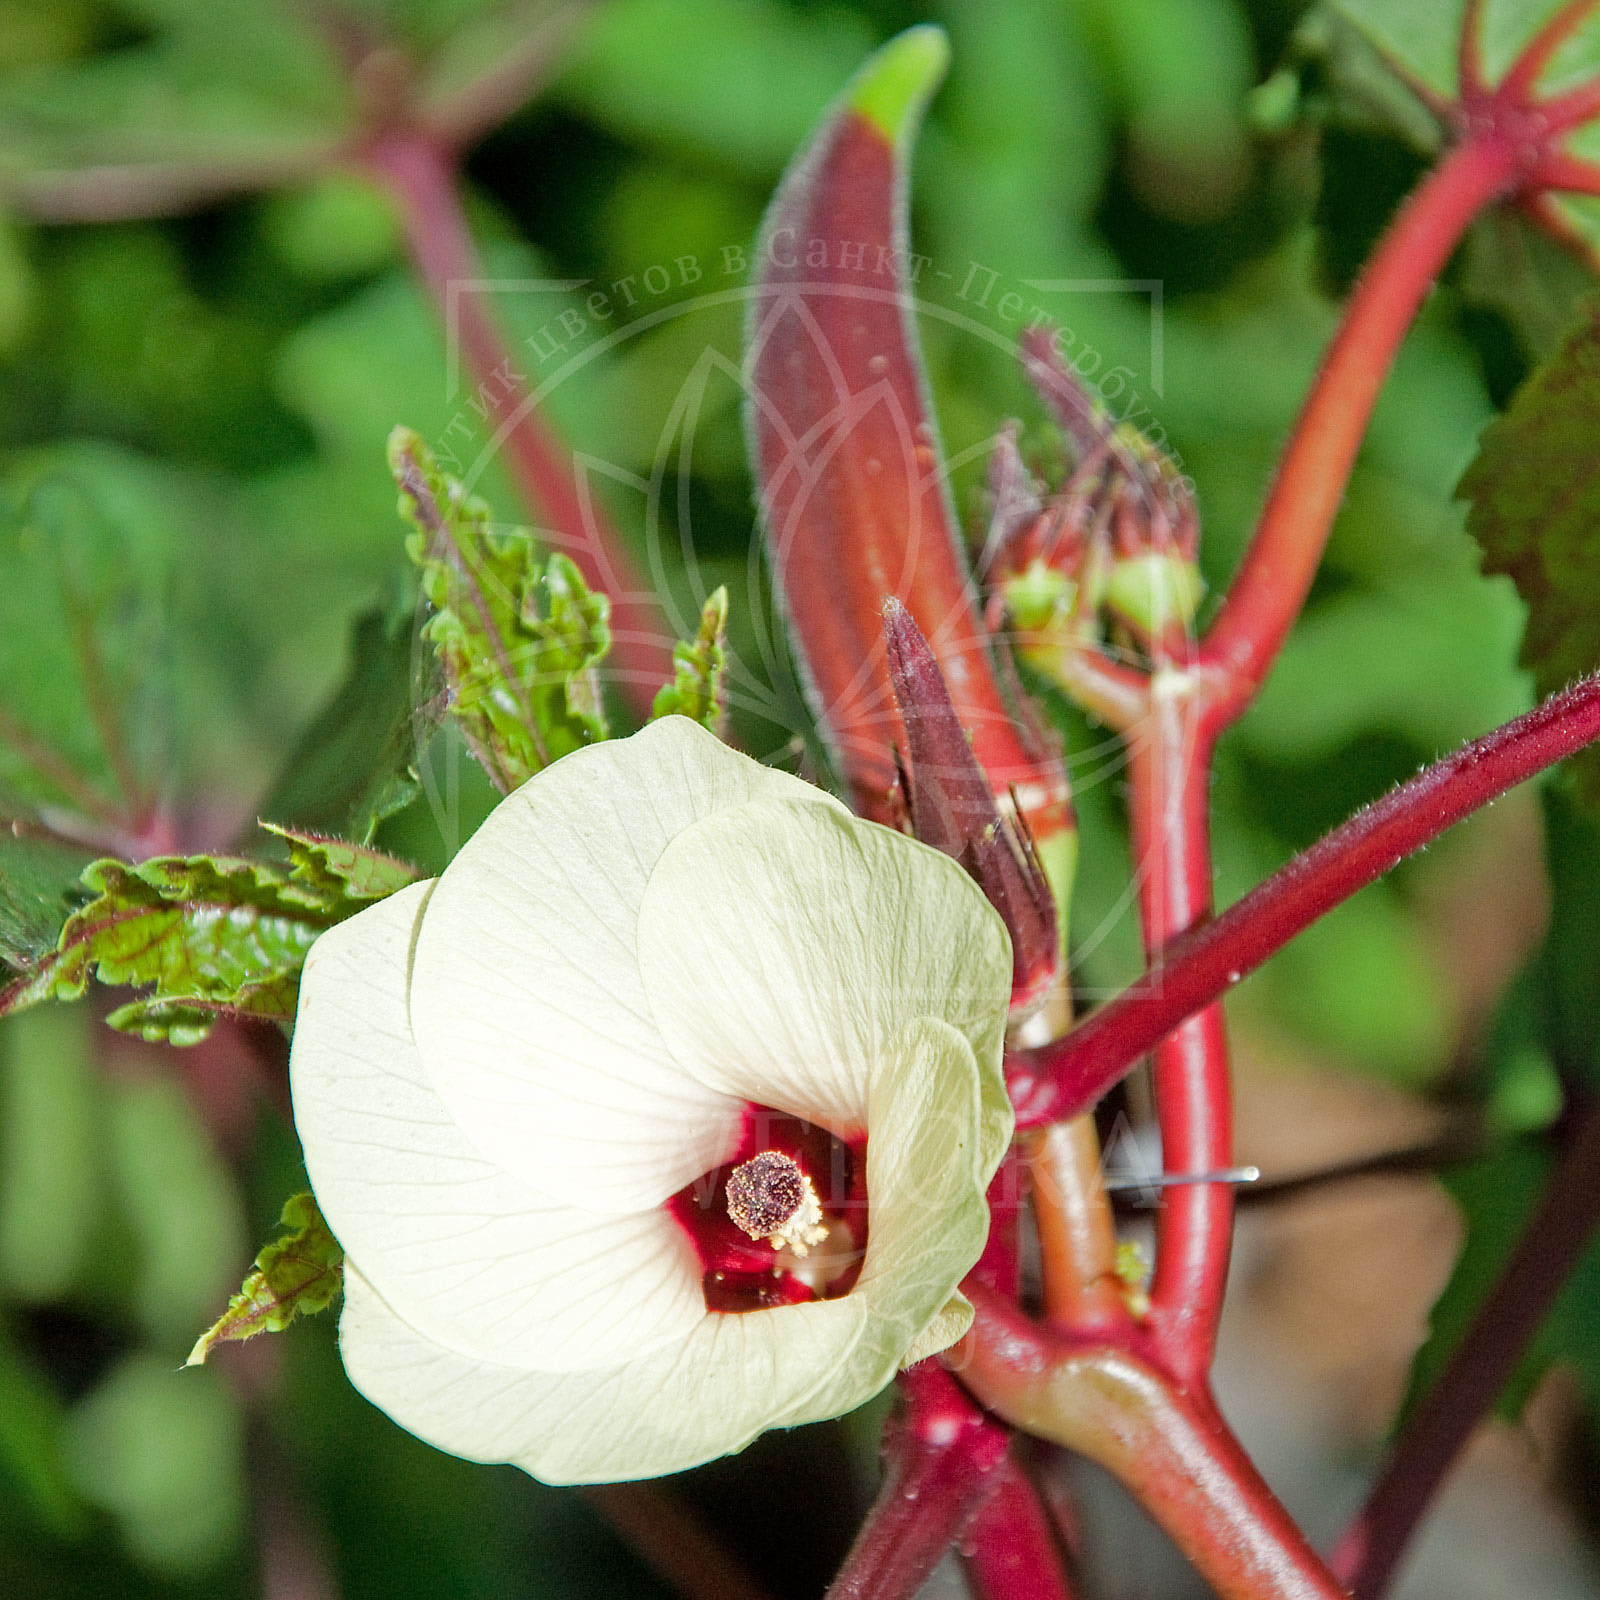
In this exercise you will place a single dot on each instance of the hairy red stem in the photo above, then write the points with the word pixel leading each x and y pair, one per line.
pixel 1170 772
pixel 1551 1245
pixel 1165 1442
pixel 1062 1078
pixel 1186 710
pixel 419 172
pixel 1272 584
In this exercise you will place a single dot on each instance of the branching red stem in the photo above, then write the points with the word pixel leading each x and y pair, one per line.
pixel 1186 710
pixel 1165 1443
pixel 1062 1078
pixel 1272 584
pixel 1523 75
pixel 1550 1247
pixel 419 172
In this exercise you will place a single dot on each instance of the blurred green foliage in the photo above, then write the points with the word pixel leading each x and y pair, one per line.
pixel 196 521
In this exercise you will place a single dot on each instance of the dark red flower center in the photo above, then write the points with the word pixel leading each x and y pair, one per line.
pixel 732 1213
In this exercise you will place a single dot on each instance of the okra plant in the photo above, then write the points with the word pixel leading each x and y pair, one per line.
pixel 693 1097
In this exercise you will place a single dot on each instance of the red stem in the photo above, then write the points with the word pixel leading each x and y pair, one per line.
pixel 1170 774
pixel 942 1459
pixel 1470 78
pixel 1167 1444
pixel 1558 170
pixel 1572 110
pixel 1007 1537
pixel 1272 584
pixel 1551 1245
pixel 1062 1078
pixel 1524 73
pixel 419 172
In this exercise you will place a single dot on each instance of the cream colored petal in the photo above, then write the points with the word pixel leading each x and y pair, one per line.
pixel 732 1376
pixel 527 999
pixel 927 1169
pixel 469 1254
pixel 952 1321
pixel 786 946
pixel 706 1395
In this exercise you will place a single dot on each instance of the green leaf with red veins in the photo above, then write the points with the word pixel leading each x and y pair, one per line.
pixel 854 495
pixel 1418 40
pixel 517 632
pixel 299 1273
pixel 204 936
pixel 351 766
pixel 1534 493
pixel 338 869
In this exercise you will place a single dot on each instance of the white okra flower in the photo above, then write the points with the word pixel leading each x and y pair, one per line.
pixel 603 1115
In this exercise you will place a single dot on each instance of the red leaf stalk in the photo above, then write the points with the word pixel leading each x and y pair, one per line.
pixel 1006 1540
pixel 419 172
pixel 1272 584
pixel 1169 797
pixel 1062 1078
pixel 942 1459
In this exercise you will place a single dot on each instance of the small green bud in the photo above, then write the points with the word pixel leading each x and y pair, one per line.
pixel 1149 592
pixel 1039 597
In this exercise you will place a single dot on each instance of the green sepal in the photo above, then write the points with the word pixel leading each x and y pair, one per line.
pixel 517 633
pixel 296 1275
pixel 1039 597
pixel 698 666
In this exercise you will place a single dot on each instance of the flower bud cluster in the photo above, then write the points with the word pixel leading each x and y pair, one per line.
pixel 1112 550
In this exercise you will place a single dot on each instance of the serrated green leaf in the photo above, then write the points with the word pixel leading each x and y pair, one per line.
pixel 298 1274
pixel 698 665
pixel 83 611
pixel 187 1019
pixel 338 869
pixel 208 936
pixel 1534 497
pixel 518 633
